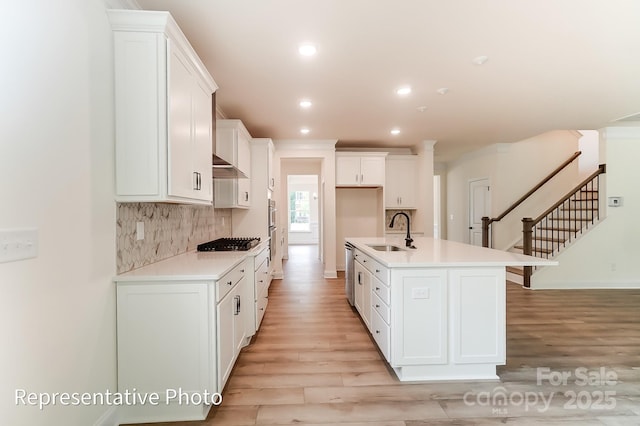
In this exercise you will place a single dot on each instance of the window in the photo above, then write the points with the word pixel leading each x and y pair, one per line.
pixel 299 211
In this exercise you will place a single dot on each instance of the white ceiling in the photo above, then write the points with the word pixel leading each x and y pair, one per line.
pixel 553 64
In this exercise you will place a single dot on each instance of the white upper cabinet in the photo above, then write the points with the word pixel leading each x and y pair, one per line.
pixel 360 169
pixel 164 112
pixel 401 182
pixel 271 179
pixel 232 145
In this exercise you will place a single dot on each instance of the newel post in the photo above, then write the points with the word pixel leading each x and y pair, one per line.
pixel 485 231
pixel 527 248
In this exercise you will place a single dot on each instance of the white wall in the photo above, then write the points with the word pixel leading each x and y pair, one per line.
pixel 359 213
pixel 607 256
pixel 57 311
pixel 423 220
pixel 513 169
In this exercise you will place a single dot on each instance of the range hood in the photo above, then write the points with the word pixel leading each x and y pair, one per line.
pixel 224 170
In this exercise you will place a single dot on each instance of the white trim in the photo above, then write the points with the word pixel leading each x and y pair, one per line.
pixel 620 132
pixel 330 274
pixel 299 144
pixel 576 285
pixel 122 4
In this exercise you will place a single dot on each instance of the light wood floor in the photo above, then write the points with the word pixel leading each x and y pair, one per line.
pixel 312 363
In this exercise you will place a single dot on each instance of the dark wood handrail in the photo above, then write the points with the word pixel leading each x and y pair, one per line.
pixel 601 169
pixel 558 235
pixel 486 222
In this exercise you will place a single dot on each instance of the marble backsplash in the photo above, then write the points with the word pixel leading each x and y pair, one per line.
pixel 169 230
pixel 400 223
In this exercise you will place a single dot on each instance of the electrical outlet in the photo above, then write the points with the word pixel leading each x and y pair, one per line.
pixel 18 244
pixel 420 293
pixel 139 231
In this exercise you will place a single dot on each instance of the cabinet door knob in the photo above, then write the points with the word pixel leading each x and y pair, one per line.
pixel 377 331
pixel 377 288
pixel 377 306
pixel 377 271
pixel 229 282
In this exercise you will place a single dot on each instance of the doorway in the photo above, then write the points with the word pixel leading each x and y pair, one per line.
pixel 479 206
pixel 303 224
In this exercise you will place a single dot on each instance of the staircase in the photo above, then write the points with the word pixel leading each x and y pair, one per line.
pixel 559 226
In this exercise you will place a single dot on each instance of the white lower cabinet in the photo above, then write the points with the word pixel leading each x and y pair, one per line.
pixel 362 297
pixel 230 332
pixel 478 317
pixel 381 332
pixel 178 335
pixel 259 289
pixel 435 323
pixel 419 303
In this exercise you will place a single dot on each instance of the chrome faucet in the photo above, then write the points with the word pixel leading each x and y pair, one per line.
pixel 408 239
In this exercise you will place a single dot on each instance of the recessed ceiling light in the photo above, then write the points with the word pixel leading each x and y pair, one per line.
pixel 304 130
pixel 403 91
pixel 422 108
pixel 479 60
pixel 307 49
pixel 443 90
pixel 305 103
pixel 395 131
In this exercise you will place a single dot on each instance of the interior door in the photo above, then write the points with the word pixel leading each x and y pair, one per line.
pixel 479 206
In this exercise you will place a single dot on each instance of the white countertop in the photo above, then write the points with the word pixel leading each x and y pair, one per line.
pixel 431 253
pixel 191 266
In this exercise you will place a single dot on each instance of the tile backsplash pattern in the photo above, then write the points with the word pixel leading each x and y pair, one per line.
pixel 400 223
pixel 169 230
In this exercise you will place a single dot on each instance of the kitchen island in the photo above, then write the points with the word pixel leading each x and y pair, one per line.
pixel 437 312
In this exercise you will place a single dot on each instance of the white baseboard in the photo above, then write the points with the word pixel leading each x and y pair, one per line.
pixel 585 285
pixel 108 418
pixel 330 274
pixel 515 278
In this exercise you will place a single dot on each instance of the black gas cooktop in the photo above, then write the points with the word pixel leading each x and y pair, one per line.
pixel 230 244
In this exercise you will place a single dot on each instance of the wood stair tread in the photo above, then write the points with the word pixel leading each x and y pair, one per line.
pixel 558 229
pixel 536 249
pixel 515 270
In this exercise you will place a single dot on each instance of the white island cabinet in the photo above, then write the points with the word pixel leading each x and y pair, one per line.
pixel 438 312
pixel 181 324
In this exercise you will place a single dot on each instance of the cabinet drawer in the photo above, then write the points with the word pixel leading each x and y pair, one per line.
pixel 362 258
pixel 262 278
pixel 261 258
pixel 381 307
pixel 261 307
pixel 230 279
pixel 382 291
pixel 380 332
pixel 380 272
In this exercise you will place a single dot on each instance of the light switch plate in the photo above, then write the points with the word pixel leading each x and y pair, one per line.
pixel 18 244
pixel 615 201
pixel 139 231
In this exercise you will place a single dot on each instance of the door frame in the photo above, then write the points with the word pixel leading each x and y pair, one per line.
pixel 473 227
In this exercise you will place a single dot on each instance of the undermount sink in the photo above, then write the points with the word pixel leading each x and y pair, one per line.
pixel 386 247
